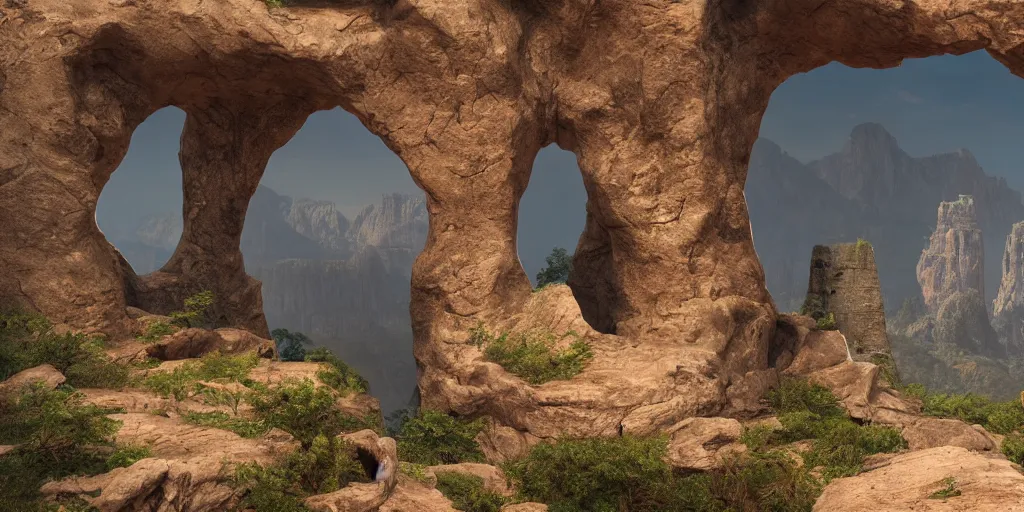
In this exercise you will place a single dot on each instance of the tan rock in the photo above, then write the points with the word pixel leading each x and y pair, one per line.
pixel 45 374
pixel 986 484
pixel 192 343
pixel 702 444
pixel 186 469
pixel 7 448
pixel 926 432
pixel 494 478
pixel 954 259
pixel 857 386
pixel 665 262
pixel 525 507
pixel 820 350
pixel 137 401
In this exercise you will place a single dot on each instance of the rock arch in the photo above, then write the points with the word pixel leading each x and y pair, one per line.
pixel 660 101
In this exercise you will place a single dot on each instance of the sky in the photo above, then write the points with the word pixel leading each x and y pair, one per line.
pixel 933 105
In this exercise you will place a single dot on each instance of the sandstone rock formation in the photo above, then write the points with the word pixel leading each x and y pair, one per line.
pixel 1008 307
pixel 844 283
pixel 954 259
pixel 465 93
pixel 909 482
pixel 45 375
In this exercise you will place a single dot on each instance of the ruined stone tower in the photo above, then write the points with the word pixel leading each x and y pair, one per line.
pixel 844 282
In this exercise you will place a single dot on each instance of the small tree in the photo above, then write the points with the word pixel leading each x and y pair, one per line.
pixel 559 265
pixel 291 345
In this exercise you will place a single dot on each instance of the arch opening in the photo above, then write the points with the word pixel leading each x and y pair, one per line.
pixel 139 210
pixel 880 159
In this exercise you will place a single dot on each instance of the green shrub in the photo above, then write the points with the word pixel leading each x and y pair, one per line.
pixel 244 427
pixel 28 340
pixel 949 489
pixel 182 382
pixel 558 269
pixel 58 437
pixel 998 417
pixel 630 473
pixel 861 244
pixel 827 322
pixel 196 312
pixel 291 346
pixel 1013 448
pixel 433 437
pixel 325 465
pixel 125 456
pixel 796 395
pixel 155 331
pixel 336 374
pixel 532 356
pixel 303 410
pixel 467 493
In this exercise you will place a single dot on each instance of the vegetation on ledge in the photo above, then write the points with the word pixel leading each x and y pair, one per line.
pixel 533 357
pixel 433 437
pixel 468 494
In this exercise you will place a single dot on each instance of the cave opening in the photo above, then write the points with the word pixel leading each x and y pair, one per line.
pixel 139 210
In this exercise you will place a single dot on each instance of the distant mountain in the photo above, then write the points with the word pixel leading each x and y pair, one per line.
pixel 869 189
pixel 343 283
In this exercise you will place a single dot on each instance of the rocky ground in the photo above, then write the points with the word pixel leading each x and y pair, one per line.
pixel 944 464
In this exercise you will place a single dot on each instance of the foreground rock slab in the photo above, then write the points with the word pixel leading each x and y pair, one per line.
pixel 46 374
pixel 909 482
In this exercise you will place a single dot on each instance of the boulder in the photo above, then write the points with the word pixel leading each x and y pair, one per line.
pixel 45 374
pixel 494 478
pixel 909 482
pixel 701 444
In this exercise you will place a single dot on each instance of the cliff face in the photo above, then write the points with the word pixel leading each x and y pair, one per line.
pixel 1008 308
pixel 870 189
pixel 954 259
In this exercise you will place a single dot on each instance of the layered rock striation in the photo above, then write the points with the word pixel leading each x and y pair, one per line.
pixel 465 93
pixel 1008 307
pixel 954 259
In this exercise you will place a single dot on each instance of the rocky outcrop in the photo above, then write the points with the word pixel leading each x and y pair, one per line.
pixel 963 322
pixel 910 482
pixel 844 283
pixel 954 259
pixel 702 444
pixel 1008 307
pixel 665 270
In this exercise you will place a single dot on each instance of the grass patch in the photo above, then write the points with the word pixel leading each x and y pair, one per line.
pixel 326 465
pixel 533 356
pixel 433 437
pixel 336 374
pixel 949 489
pixel 811 412
pixel 467 493
pixel 247 428
pixel 862 244
pixel 629 473
pixel 58 435
pixel 127 455
pixel 999 417
pixel 155 331
pixel 183 381
pixel 28 340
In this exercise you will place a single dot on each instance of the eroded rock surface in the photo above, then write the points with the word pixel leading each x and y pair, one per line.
pixel 954 259
pixel 908 482
pixel 466 94
pixel 702 444
pixel 1008 307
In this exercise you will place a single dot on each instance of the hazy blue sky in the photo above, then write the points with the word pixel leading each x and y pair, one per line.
pixel 930 105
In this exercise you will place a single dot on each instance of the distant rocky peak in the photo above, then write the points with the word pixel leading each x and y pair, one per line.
pixel 959 214
pixel 872 138
pixel 320 221
pixel 161 231
pixel 399 221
